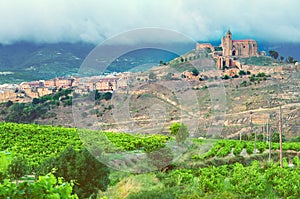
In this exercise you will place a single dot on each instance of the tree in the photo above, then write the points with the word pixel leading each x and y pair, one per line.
pixel 35 101
pixel 275 137
pixel 107 96
pixel 152 76
pixel 195 72
pixel 241 72
pixel 180 131
pixel 9 103
pixel 225 77
pixel 89 174
pixel 274 54
pixel 281 58
pixel 291 60
pixel 252 78
pixel 168 76
pixel 161 63
pixel 18 167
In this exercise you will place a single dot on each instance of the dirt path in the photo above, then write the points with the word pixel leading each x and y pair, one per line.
pixel 263 109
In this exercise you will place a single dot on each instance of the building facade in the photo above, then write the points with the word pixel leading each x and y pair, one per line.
pixel 238 48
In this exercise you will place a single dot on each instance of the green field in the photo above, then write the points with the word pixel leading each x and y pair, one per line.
pixel 224 169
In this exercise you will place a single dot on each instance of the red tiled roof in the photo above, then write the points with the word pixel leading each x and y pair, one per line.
pixel 243 40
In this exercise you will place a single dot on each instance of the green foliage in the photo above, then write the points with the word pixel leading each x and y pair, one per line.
pixel 281 58
pixel 274 54
pixel 244 83
pixel 168 76
pixel 223 147
pixel 89 174
pixel 174 128
pixel 180 131
pixel 9 103
pixel 5 159
pixel 241 72
pixel 284 181
pixel 295 139
pixel 24 112
pixel 35 142
pixel 46 147
pixel 248 180
pixel 259 61
pixel 18 167
pixel 252 78
pixel 275 137
pixel 218 48
pixel 195 71
pixel 127 142
pixel 212 179
pixel 259 77
pixel 291 60
pixel 45 187
pixel 100 96
pixel 261 74
pixel 296 161
pixel 239 147
pixel 28 112
pixel 261 146
pixel 225 77
pixel 161 158
pixel 161 193
pixel 250 147
pixel 235 180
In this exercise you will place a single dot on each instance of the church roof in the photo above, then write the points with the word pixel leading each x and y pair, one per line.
pixel 243 40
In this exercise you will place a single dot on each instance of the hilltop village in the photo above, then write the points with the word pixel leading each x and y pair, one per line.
pixel 27 91
pixel 226 57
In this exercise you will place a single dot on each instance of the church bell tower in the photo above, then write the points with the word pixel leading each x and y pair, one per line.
pixel 227 44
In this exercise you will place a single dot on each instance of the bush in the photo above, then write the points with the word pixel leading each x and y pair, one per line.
pixel 247 181
pixel 162 193
pixel 89 174
pixel 180 131
pixel 225 77
pixel 161 158
pixel 195 72
pixel 18 167
pixel 244 83
pixel 45 187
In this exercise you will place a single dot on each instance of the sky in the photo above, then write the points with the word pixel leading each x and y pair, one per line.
pixel 50 21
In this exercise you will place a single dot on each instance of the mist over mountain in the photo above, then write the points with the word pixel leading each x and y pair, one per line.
pixel 27 61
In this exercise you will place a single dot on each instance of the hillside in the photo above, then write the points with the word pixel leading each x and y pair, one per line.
pixel 207 103
pixel 26 61
pixel 29 61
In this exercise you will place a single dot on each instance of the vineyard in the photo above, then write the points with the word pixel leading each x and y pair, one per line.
pixel 224 148
pixel 47 147
pixel 37 143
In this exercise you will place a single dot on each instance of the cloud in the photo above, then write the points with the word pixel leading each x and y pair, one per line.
pixel 96 20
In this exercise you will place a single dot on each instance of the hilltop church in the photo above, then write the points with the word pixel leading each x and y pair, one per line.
pixel 230 50
pixel 238 48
